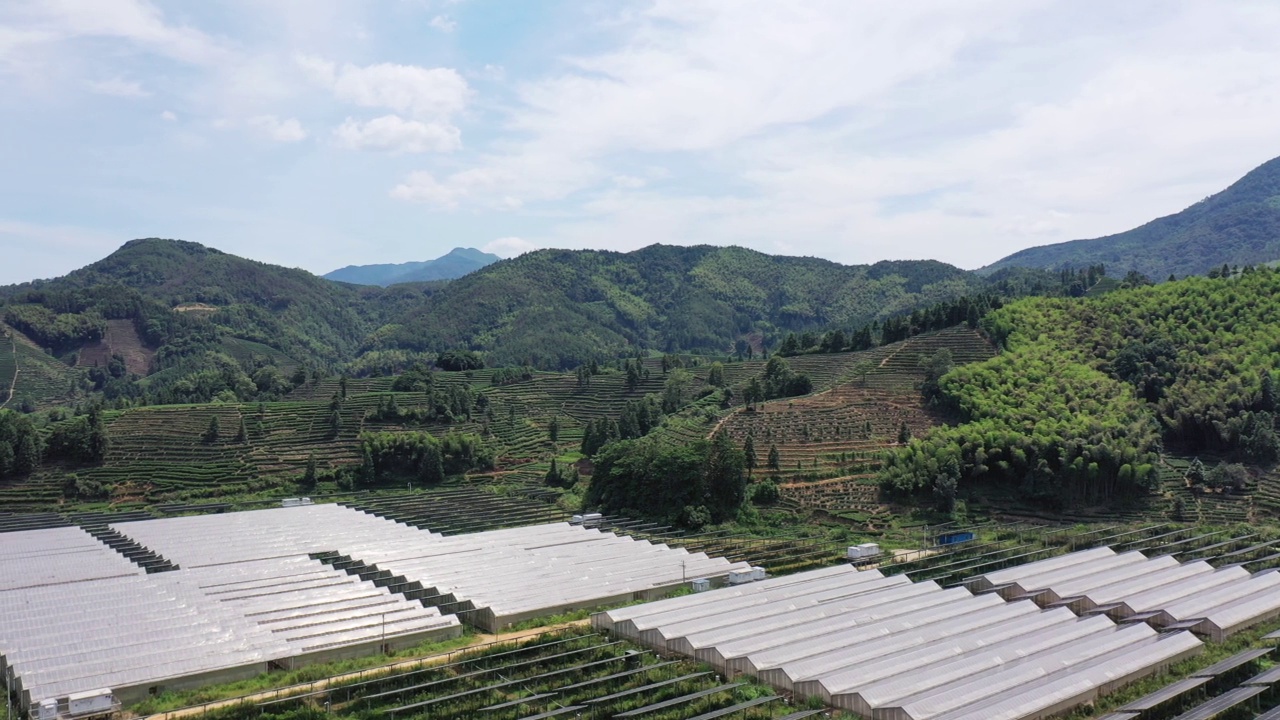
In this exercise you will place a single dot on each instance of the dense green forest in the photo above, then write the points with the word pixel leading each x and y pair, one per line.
pixel 1238 226
pixel 559 309
pixel 1089 390
pixel 213 326
pixel 691 485
pixel 291 310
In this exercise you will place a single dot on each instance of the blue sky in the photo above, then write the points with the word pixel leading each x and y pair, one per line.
pixel 321 133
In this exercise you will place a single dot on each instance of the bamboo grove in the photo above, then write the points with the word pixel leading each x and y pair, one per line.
pixel 1089 391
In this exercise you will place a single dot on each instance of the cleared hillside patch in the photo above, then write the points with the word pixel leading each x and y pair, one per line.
pixel 120 339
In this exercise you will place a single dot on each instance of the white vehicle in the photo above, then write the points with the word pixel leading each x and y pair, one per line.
pixel 863 551
pixel 93 702
pixel 587 519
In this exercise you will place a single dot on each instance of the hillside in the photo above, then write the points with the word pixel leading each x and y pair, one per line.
pixel 288 309
pixel 1092 392
pixel 454 264
pixel 28 376
pixel 551 309
pixel 559 308
pixel 1238 226
pixel 164 453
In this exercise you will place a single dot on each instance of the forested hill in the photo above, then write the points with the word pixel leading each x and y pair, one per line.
pixel 1089 390
pixel 553 309
pixel 559 308
pixel 292 310
pixel 1238 226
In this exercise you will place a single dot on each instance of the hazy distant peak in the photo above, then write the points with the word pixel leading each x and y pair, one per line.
pixel 454 264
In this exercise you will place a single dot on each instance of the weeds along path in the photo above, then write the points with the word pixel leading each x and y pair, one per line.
pixel 411 664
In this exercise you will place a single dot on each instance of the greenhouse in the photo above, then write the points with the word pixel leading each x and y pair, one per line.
pixel 887 648
pixel 505 576
pixel 247 592
pixel 1214 602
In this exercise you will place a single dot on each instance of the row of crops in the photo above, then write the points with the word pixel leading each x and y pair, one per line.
pixel 573 674
pixel 8 364
pixel 1244 686
pixel 461 510
pixel 36 377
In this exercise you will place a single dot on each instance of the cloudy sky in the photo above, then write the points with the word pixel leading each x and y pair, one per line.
pixel 319 133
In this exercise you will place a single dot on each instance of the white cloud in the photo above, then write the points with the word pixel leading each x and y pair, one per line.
pixel 862 131
pixel 500 182
pixel 135 21
pixel 856 131
pixel 411 89
pixel 288 130
pixel 391 133
pixel 509 247
pixel 700 77
pixel 444 23
pixel 118 87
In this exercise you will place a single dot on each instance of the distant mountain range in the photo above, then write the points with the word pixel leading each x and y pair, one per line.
pixel 559 308
pixel 550 308
pixel 1238 226
pixel 459 262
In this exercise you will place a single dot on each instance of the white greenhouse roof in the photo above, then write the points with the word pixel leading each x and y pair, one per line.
pixel 1217 601
pixel 914 651
pixel 76 615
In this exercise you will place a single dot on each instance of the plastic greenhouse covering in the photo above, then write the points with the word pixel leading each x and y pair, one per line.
pixel 889 649
pixel 1218 602
pixel 75 615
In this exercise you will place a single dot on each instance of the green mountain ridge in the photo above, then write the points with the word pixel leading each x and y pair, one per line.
pixel 1238 226
pixel 552 308
pixel 560 308
pixel 454 264
pixel 288 309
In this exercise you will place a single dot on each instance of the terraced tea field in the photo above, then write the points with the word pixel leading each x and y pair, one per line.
pixel 244 351
pixel 41 379
pixel 164 448
pixel 8 364
pixel 830 444
pixel 160 454
pixel 1219 508
pixel 1267 496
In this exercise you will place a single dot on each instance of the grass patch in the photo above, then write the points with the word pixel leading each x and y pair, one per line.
pixel 265 682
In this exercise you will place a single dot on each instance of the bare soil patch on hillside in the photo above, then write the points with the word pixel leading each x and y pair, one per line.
pixel 121 339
